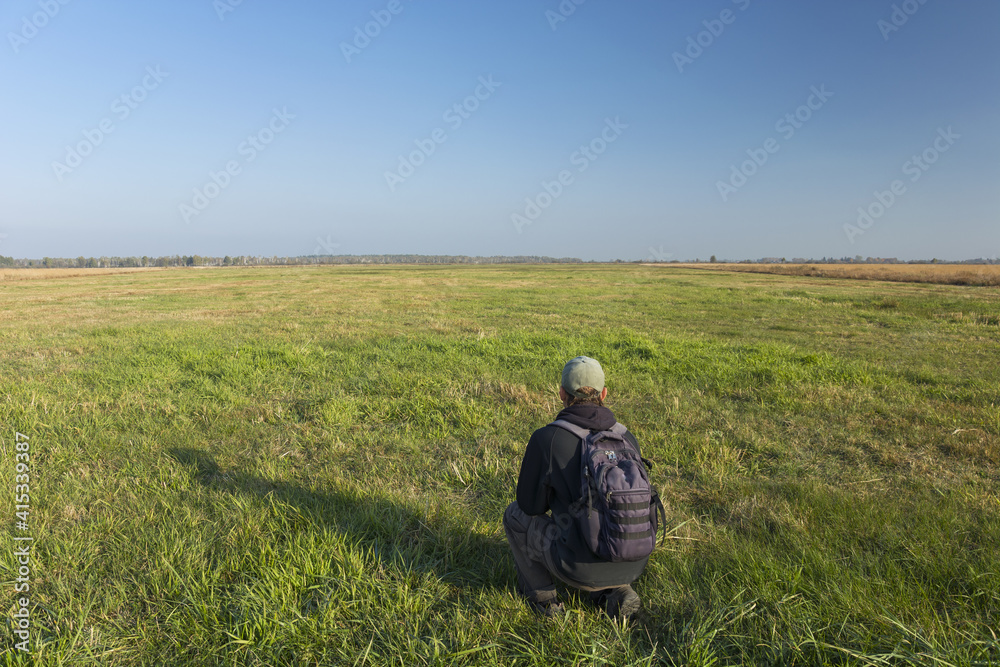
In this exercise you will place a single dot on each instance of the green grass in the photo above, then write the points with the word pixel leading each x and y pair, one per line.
pixel 309 465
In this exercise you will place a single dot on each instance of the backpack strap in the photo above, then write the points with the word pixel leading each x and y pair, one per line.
pixel 578 431
pixel 582 433
pixel 658 508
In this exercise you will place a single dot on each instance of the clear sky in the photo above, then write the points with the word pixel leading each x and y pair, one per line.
pixel 600 130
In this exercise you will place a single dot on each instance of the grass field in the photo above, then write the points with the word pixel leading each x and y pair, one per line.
pixel 298 466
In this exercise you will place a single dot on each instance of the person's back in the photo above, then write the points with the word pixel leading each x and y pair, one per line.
pixel 541 524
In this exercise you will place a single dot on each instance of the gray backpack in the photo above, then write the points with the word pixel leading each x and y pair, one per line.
pixel 617 511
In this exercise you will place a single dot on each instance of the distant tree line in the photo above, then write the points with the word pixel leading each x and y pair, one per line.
pixel 145 261
pixel 104 262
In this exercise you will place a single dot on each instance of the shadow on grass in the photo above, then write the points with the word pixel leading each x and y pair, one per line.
pixel 397 535
pixel 401 538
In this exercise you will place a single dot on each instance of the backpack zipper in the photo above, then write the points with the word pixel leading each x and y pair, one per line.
pixel 623 493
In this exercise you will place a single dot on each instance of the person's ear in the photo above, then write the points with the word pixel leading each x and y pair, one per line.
pixel 604 393
pixel 563 395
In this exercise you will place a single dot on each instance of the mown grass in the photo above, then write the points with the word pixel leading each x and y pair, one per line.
pixel 309 465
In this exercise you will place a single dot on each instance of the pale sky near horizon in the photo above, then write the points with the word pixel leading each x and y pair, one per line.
pixel 597 130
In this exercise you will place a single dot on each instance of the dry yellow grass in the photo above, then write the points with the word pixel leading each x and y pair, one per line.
pixel 946 274
pixel 42 274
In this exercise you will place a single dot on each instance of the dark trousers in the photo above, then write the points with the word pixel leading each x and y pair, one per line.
pixel 530 539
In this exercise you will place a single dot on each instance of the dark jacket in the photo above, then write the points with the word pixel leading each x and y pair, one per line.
pixel 550 480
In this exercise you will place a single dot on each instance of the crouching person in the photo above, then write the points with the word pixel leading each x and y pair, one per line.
pixel 585 512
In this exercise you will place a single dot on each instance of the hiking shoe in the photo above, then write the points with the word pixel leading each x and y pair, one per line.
pixel 551 609
pixel 619 603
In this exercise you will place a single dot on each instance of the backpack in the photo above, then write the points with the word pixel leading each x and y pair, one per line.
pixel 617 511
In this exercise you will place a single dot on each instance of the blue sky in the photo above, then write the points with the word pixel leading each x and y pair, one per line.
pixel 598 130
